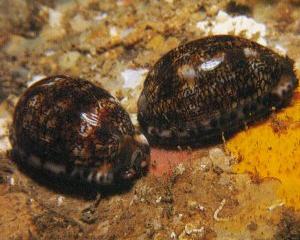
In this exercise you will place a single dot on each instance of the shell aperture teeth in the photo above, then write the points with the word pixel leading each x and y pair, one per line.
pixel 140 138
pixel 129 174
pixel 99 177
pixel 104 178
pixel 54 168
pixel 90 177
pixel 144 164
pixel 34 161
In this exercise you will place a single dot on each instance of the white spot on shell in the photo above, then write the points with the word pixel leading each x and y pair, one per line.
pixel 186 72
pixel 283 85
pixel 90 118
pixel 249 52
pixel 211 63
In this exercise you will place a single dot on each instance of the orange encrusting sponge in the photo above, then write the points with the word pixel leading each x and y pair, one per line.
pixel 272 149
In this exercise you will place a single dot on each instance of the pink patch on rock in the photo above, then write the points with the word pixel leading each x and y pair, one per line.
pixel 164 161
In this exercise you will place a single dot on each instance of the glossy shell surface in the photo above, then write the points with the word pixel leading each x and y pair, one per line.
pixel 211 86
pixel 70 127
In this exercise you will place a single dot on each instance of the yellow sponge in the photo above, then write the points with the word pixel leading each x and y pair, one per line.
pixel 272 149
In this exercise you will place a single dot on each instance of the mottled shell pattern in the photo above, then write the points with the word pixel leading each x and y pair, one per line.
pixel 72 128
pixel 212 85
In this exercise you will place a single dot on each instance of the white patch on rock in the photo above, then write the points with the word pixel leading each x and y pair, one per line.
pixel 113 32
pixel 5 145
pixel 297 64
pixel 223 23
pixel 79 24
pixel 126 32
pixel 35 79
pixel 280 50
pixel 133 118
pixel 133 77
pixel 3 127
pixel 100 16
pixel 69 59
pixel 49 52
pixel 220 159
pixel 173 235
pixel 4 141
pixel 60 200
pixel 11 181
pixel 55 18
pixel 179 169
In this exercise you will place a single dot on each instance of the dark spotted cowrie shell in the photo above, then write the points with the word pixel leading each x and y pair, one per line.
pixel 68 127
pixel 211 86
